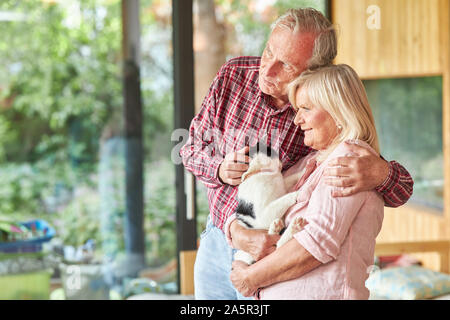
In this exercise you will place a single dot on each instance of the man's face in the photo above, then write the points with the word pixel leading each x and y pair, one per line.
pixel 284 58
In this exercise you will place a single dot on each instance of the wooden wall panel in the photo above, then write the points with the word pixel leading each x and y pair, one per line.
pixel 187 261
pixel 407 42
pixel 445 61
pixel 411 223
pixel 413 41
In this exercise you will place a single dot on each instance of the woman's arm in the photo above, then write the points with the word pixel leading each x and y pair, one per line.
pixel 257 242
pixel 329 220
pixel 288 262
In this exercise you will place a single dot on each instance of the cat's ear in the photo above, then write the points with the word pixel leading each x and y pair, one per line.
pixel 262 147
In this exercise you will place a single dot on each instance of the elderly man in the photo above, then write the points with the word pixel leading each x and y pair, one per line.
pixel 247 102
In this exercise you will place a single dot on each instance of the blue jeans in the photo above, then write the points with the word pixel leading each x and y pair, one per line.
pixel 213 266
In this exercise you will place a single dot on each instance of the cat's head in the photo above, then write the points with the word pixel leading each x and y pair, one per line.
pixel 263 159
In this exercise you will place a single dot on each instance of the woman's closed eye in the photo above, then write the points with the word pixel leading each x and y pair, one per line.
pixel 303 107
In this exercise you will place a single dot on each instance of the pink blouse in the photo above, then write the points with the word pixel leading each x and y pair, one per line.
pixel 340 233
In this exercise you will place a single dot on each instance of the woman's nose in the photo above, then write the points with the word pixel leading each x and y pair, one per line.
pixel 298 120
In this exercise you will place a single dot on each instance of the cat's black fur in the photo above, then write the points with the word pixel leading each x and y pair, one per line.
pixel 245 208
pixel 261 147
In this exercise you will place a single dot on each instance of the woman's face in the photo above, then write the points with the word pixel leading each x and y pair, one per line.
pixel 319 127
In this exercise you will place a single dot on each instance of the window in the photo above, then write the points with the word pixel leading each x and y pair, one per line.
pixel 62 145
pixel 408 116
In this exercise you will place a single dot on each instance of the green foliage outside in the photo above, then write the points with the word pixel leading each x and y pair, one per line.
pixel 61 98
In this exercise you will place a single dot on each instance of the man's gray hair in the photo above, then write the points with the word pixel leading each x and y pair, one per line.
pixel 312 20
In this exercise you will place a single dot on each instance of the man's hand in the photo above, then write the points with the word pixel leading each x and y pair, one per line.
pixel 240 279
pixel 258 243
pixel 233 166
pixel 354 174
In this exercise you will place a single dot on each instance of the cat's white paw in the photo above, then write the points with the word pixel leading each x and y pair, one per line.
pixel 276 226
pixel 298 224
pixel 244 256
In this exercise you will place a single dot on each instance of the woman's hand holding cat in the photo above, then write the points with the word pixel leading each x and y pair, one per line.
pixel 241 280
pixel 258 243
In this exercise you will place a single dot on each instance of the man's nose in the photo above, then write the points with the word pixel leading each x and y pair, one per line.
pixel 271 68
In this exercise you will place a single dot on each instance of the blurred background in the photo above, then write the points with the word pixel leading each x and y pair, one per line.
pixel 63 167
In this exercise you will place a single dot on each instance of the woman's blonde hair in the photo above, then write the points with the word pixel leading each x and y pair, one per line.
pixel 338 90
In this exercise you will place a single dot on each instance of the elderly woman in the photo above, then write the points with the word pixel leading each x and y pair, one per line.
pixel 330 257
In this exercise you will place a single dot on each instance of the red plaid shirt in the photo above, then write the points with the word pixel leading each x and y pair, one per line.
pixel 236 113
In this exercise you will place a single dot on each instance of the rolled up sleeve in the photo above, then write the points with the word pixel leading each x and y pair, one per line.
pixel 324 251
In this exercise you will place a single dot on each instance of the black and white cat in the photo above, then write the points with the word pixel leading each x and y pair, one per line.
pixel 263 197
